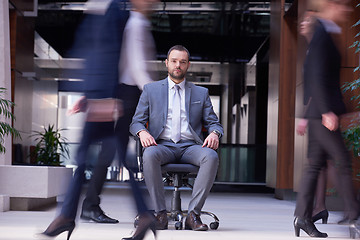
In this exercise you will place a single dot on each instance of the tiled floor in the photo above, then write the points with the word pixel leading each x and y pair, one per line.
pixel 242 216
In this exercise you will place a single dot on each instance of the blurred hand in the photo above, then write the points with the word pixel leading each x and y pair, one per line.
pixel 212 141
pixel 146 139
pixel 79 106
pixel 301 127
pixel 330 121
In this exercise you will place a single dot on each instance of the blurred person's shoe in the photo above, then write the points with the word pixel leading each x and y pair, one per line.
pixel 147 221
pixel 346 221
pixel 193 222
pixel 161 220
pixel 324 215
pixel 58 226
pixel 97 215
pixel 354 230
pixel 307 226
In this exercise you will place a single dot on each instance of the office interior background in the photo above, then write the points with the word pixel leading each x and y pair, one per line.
pixel 248 54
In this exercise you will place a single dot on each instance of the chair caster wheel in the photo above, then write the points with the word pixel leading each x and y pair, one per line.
pixel 136 223
pixel 178 225
pixel 214 225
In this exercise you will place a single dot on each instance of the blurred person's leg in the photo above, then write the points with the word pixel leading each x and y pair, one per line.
pixel 334 145
pixel 129 96
pixel 321 139
pixel 305 196
pixel 319 210
pixel 91 132
pixel 91 205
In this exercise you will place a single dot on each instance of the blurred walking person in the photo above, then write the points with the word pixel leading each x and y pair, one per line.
pixel 325 105
pixel 138 48
pixel 102 37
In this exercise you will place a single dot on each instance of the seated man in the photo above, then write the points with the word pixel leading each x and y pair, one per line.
pixel 176 111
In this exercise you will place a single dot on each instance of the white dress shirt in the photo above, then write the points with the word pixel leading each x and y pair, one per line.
pixel 185 130
pixel 137 48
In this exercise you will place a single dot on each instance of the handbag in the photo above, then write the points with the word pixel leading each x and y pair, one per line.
pixel 104 110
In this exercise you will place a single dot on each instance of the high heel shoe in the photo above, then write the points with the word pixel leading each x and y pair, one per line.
pixel 324 215
pixel 146 221
pixel 307 226
pixel 58 226
pixel 354 230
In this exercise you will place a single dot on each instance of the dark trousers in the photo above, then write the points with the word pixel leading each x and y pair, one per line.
pixel 130 96
pixel 325 144
pixel 92 132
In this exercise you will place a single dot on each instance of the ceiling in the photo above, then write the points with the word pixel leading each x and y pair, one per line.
pixel 221 31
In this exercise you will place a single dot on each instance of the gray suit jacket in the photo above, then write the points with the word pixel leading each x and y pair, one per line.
pixel 153 106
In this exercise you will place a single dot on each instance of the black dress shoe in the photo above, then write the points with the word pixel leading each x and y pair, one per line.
pixel 307 226
pixel 193 222
pixel 97 216
pixel 324 215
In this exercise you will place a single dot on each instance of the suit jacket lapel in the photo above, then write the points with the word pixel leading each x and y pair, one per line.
pixel 187 99
pixel 165 95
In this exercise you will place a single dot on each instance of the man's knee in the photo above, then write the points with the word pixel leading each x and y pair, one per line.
pixel 151 156
pixel 211 158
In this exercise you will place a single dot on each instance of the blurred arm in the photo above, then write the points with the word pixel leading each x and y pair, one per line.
pixel 137 42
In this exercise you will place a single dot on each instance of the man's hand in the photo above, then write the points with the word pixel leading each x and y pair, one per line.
pixel 79 106
pixel 301 127
pixel 146 139
pixel 212 141
pixel 330 121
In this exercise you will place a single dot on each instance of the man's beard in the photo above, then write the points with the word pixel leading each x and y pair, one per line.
pixel 177 77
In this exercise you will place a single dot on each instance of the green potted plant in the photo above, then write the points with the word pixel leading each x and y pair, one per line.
pixel 351 133
pixel 49 147
pixel 5 128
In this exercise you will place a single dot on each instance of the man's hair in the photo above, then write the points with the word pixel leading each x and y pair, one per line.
pixel 179 48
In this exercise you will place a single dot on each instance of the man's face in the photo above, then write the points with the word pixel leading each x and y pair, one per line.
pixel 177 65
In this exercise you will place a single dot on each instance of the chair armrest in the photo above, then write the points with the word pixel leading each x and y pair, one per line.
pixel 139 153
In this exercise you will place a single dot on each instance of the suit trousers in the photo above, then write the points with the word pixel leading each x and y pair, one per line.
pixel 323 145
pixel 181 152
pixel 130 96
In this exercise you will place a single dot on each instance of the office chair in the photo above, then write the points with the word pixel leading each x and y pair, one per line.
pixel 178 174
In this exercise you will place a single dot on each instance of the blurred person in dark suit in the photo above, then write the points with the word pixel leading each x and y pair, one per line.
pixel 306 29
pixel 323 95
pixel 138 47
pixel 100 43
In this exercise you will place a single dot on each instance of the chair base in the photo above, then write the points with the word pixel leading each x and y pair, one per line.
pixel 179 218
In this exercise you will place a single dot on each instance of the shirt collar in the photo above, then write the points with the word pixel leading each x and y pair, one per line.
pixel 330 26
pixel 172 84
